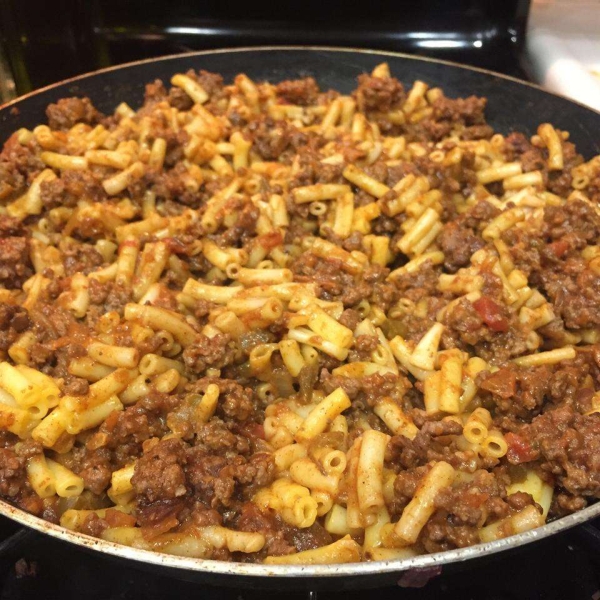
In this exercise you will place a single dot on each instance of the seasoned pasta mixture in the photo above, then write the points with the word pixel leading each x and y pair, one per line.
pixel 262 322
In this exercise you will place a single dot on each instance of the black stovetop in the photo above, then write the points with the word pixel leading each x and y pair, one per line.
pixel 34 566
pixel 63 38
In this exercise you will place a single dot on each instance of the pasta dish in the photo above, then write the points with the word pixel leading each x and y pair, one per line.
pixel 268 323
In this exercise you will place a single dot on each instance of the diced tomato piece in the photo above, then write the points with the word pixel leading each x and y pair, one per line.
pixel 152 531
pixel 502 383
pixel 559 248
pixel 475 499
pixel 491 313
pixel 253 430
pixel 519 449
pixel 271 240
pixel 116 518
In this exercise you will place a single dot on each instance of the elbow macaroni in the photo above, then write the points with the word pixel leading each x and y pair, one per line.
pixel 298 325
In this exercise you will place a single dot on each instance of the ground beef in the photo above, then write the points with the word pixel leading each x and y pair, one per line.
pixel 567 446
pixel 459 177
pixel 380 94
pixel 593 188
pixel 235 401
pixel 94 525
pixel 461 237
pixel 557 267
pixel 214 352
pixel 15 264
pixel 559 182
pixel 463 117
pixel 518 147
pixel 171 185
pixel 405 486
pixel 125 432
pixel 10 227
pixel 336 284
pixel 350 318
pixel 415 286
pixel 458 245
pixel 76 386
pixel 434 441
pixel 154 92
pixel 68 189
pixel 363 348
pixel 270 137
pixel 486 328
pixel 68 111
pixel 178 99
pixel 111 295
pixel 96 472
pixel 572 291
pixel 366 390
pixel 515 145
pixel 298 91
pixel 81 258
pixel 19 165
pixel 252 519
pixel 311 171
pixel 13 476
pixel 159 473
pixel 212 83
pixel 308 538
pixel 215 479
pixel 243 229
pixel 216 437
pixel 534 158
pixel 463 509
pixel 14 320
pixel 577 218
pixel 517 392
pixel 575 295
pixel 571 380
pixel 176 142
pixel 53 322
pixel 468 111
pixel 131 425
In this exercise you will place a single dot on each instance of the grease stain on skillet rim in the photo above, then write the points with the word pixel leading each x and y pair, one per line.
pixel 304 571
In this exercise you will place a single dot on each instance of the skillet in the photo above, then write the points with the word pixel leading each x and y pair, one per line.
pixel 512 105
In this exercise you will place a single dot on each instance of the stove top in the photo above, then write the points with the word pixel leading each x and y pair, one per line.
pixel 46 45
pixel 564 567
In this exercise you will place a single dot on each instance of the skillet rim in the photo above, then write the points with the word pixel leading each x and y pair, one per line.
pixel 324 571
pixel 344 49
pixel 255 570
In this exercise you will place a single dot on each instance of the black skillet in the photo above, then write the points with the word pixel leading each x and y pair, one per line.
pixel 512 106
